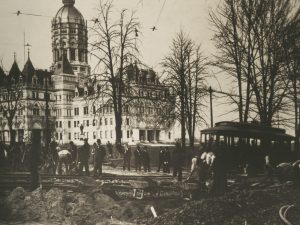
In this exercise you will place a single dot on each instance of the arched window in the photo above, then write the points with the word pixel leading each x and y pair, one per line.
pixel 36 110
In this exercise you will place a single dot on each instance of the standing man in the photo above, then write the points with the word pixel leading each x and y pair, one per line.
pixel 167 159
pixel 138 158
pixel 146 159
pixel 127 157
pixel 110 149
pixel 83 158
pixel 35 154
pixel 178 161
pixel 53 154
pixel 100 153
pixel 161 158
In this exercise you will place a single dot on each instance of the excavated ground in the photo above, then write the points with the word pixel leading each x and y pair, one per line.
pixel 245 203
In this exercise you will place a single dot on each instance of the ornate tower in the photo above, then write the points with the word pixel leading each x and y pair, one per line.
pixel 69 39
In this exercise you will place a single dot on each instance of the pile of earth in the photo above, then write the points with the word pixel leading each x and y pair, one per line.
pixel 254 207
pixel 88 207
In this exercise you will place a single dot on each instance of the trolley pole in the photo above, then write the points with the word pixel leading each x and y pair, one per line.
pixel 211 107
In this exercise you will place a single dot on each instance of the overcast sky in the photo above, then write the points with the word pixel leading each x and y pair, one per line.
pixel 189 15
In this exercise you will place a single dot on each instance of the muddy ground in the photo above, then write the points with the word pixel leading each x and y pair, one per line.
pixel 243 204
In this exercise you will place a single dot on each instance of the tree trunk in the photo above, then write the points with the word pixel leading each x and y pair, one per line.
pixel 118 127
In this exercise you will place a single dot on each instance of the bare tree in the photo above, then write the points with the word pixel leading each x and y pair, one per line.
pixel 11 96
pixel 195 91
pixel 250 37
pixel 292 61
pixel 184 68
pixel 114 47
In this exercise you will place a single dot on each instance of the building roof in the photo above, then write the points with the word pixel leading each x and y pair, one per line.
pixel 68 13
pixel 28 71
pixel 247 130
pixel 2 76
pixel 64 67
pixel 14 72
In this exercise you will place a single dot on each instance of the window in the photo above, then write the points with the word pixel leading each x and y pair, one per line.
pixel 127 121
pixel 56 124
pixel 87 123
pixel 33 95
pixel 128 134
pixel 111 134
pixel 69 112
pixel 85 110
pixel 111 121
pixel 36 110
pixel 95 135
pixel 69 124
pixel 100 134
pixel 94 122
pixel 69 136
pixel 169 135
pixel 75 123
pixel 100 121
pixel 105 121
pixel 60 123
pixel 94 110
pixel 72 54
pixel 75 136
pixel 60 136
pixel 76 111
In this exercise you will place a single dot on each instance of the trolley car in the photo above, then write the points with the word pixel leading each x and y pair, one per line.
pixel 239 139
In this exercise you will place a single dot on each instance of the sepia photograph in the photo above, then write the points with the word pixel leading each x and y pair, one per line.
pixel 149 112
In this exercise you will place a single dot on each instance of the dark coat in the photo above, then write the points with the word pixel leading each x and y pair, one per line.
pixel 100 153
pixel 84 153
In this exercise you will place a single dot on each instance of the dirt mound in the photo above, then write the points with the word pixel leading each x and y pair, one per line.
pixel 69 208
pixel 254 207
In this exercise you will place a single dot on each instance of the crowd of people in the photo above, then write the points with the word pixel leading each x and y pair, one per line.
pixel 209 164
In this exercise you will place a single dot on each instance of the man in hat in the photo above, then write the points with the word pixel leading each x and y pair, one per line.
pixel 83 158
pixel 100 153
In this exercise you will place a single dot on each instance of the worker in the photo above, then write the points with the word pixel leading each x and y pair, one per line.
pixel 146 159
pixel 166 161
pixel 100 153
pixel 161 158
pixel 126 157
pixel 53 154
pixel 83 157
pixel 138 158
pixel 110 149
pixel 178 159
pixel 64 157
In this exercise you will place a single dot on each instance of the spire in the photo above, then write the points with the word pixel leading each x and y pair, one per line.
pixel 28 54
pixel 28 70
pixel 15 57
pixel 68 2
pixel 2 76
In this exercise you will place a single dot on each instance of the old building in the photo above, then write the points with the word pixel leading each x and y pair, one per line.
pixel 75 110
pixel 25 95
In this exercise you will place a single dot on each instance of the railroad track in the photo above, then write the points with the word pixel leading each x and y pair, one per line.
pixel 9 181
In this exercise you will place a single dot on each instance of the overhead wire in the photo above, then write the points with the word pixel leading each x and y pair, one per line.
pixel 160 12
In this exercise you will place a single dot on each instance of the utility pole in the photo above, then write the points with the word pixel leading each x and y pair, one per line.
pixel 211 107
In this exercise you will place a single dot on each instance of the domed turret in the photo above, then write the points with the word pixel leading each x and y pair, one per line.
pixel 69 38
pixel 68 2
